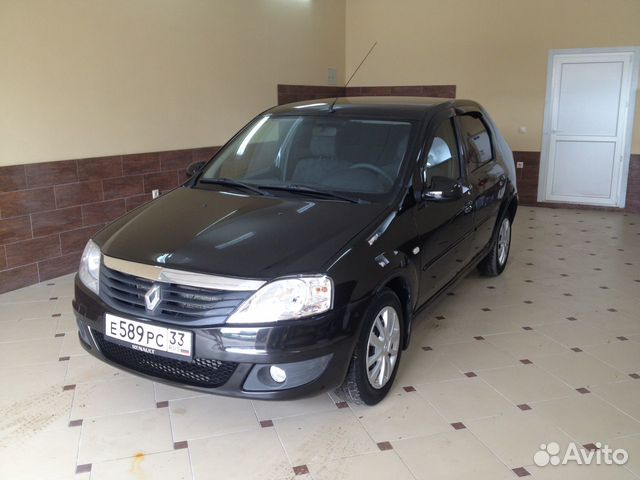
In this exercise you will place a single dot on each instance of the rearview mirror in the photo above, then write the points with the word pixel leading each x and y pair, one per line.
pixel 194 168
pixel 443 189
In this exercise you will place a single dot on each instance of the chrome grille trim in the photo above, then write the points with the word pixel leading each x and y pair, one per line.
pixel 180 277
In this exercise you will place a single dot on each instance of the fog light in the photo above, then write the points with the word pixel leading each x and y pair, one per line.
pixel 278 374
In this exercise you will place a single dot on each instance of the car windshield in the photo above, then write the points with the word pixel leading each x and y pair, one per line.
pixel 356 157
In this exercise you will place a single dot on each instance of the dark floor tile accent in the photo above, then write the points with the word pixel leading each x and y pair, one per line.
pixel 75 423
pixel 58 335
pixel 486 309
pixel 385 446
pixel 622 339
pixel 342 405
pixel 12 178
pixel 635 376
pixel 69 387
pixel 568 294
pixel 72 194
pixel 266 423
pixel 520 472
pixel 180 445
pixel 427 349
pixel 527 328
pixel 524 407
pixel 576 349
pixel 450 294
pixel 409 389
pixel 63 359
pixel 53 298
pixel 48 223
pixel 55 314
pixel 18 277
pixel 51 173
pixel 23 202
pixel 15 229
pixel 590 446
pixel 528 302
pixel 583 390
pixel 479 337
pixel 458 425
pixel 440 317
pixel 300 470
pixel 470 374
pixel 572 319
pixel 491 287
pixel 612 310
pixel 526 361
pixel 604 287
pixel 163 404
pixel 83 468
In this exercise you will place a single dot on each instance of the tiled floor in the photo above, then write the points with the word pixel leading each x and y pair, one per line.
pixel 548 352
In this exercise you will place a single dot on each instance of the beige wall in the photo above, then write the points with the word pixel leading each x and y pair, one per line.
pixel 495 51
pixel 83 78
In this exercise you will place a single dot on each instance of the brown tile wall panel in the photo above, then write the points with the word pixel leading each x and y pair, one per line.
pixel 29 251
pixel 3 258
pixel 55 267
pixel 175 160
pixel 162 181
pixel 633 185
pixel 15 229
pixel 78 193
pixel 135 202
pixel 18 277
pixel 122 187
pixel 75 240
pixel 22 202
pixel 51 173
pixel 203 154
pixel 95 213
pixel 12 178
pixel 140 163
pixel 100 168
pixel 56 221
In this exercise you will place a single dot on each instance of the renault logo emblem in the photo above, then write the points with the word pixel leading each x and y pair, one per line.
pixel 152 297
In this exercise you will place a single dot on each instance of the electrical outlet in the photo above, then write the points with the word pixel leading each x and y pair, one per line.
pixel 332 76
pixel 519 164
pixel 155 193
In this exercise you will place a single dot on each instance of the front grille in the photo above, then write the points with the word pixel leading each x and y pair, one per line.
pixel 178 304
pixel 202 372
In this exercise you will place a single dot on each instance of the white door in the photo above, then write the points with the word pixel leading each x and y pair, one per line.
pixel 586 126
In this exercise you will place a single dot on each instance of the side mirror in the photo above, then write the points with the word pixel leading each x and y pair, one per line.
pixel 195 168
pixel 443 189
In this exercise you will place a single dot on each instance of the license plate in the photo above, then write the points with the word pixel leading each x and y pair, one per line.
pixel 166 342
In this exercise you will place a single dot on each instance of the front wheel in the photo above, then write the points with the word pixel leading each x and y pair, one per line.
pixel 377 354
pixel 496 260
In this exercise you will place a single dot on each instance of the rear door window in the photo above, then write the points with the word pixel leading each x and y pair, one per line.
pixel 477 140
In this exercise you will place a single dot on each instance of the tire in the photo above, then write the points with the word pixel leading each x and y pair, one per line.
pixel 496 260
pixel 358 388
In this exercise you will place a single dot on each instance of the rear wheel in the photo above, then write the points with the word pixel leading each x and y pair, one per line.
pixel 496 260
pixel 377 354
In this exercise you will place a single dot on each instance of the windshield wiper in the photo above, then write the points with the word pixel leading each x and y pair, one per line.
pixel 304 190
pixel 230 182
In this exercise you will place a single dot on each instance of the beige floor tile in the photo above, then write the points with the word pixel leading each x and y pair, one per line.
pixel 318 437
pixel 30 329
pixel 632 446
pixel 256 455
pixel 166 392
pixel 525 344
pixel 526 384
pixel 625 355
pixel 578 369
pixel 587 418
pixel 67 324
pixel 20 311
pixel 209 415
pixel 622 395
pixel 127 435
pixel 581 472
pixel 174 465
pixel 43 455
pixel 86 368
pixel 478 355
pixel 71 346
pixel 33 293
pixel 460 400
pixel 419 366
pixel 30 352
pixel 30 380
pixel 374 466
pixel 400 416
pixel 575 334
pixel 268 410
pixel 515 438
pixel 451 456
pixel 112 398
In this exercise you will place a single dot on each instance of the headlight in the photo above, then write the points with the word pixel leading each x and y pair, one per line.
pixel 89 271
pixel 286 299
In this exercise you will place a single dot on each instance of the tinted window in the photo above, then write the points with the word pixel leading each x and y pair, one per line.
pixel 356 155
pixel 442 159
pixel 477 140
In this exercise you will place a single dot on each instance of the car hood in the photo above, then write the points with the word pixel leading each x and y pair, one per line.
pixel 236 235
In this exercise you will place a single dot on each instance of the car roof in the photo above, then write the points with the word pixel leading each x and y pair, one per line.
pixel 393 107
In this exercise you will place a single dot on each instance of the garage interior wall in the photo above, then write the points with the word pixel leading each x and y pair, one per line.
pixel 104 77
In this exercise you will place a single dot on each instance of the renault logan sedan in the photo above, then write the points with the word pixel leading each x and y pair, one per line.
pixel 297 258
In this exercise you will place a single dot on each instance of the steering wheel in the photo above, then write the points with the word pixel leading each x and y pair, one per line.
pixel 374 169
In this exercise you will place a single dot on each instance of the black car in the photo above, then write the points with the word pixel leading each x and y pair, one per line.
pixel 296 259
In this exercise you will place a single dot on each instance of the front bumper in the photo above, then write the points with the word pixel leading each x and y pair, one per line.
pixel 315 352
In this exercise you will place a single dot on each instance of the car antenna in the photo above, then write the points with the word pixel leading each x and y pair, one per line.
pixel 354 73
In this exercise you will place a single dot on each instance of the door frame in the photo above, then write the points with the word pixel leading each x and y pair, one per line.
pixel 630 116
